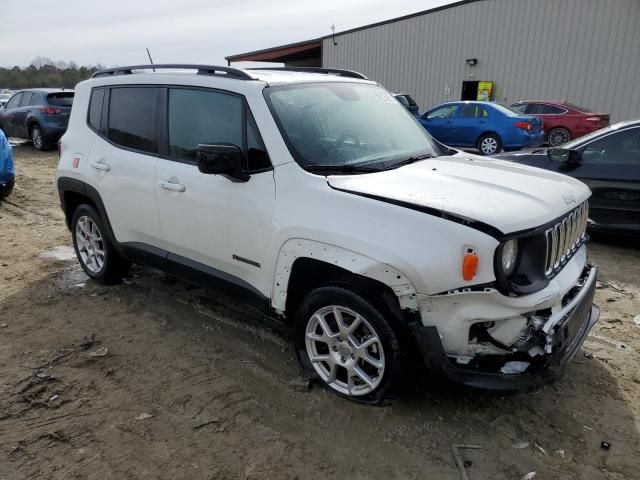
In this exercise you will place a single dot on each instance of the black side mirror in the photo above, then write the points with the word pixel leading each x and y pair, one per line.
pixel 222 159
pixel 563 155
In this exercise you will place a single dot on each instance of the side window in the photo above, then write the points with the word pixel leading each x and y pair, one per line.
pixel 554 110
pixel 203 117
pixel 621 148
pixel 26 99
pixel 520 107
pixel 95 107
pixel 473 111
pixel 14 102
pixel 536 109
pixel 446 111
pixel 257 157
pixel 132 117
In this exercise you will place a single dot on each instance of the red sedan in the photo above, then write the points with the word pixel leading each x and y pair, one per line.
pixel 563 121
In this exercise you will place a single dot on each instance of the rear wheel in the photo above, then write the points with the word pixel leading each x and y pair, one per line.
pixel 558 136
pixel 489 143
pixel 346 343
pixel 37 139
pixel 96 254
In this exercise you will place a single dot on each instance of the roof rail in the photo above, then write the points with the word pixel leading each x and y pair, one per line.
pixel 229 72
pixel 331 71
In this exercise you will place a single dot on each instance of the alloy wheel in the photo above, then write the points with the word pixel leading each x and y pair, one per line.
pixel 558 137
pixel 345 350
pixel 90 244
pixel 36 138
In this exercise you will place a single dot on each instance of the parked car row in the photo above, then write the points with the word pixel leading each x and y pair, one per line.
pixel 492 127
pixel 39 115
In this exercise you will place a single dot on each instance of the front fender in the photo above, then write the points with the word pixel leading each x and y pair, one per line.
pixel 356 263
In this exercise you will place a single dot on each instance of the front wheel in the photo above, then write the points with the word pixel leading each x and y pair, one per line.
pixel 489 144
pixel 96 254
pixel 346 343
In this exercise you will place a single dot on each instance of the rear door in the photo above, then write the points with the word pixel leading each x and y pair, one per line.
pixel 439 122
pixel 610 166
pixel 473 121
pixel 122 162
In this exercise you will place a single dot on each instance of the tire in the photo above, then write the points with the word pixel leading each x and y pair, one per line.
pixel 489 144
pixel 558 136
pixel 35 134
pixel 6 190
pixel 97 256
pixel 364 365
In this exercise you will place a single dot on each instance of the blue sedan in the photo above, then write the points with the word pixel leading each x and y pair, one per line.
pixel 489 127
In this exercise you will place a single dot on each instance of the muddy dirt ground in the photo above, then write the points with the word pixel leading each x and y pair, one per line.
pixel 182 382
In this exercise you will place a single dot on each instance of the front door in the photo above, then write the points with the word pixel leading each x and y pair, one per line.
pixel 10 110
pixel 439 122
pixel 217 222
pixel 610 166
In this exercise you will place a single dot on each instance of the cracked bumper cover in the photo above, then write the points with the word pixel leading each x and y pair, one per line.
pixel 574 327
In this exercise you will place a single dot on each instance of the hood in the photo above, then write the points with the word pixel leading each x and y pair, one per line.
pixel 501 194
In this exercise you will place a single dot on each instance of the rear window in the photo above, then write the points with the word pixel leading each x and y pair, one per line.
pixel 577 107
pixel 507 110
pixel 60 99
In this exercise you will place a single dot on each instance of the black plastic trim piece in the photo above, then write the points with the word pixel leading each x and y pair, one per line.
pixel 452 217
pixel 228 72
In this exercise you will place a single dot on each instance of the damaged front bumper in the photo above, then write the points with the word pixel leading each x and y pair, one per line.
pixel 559 336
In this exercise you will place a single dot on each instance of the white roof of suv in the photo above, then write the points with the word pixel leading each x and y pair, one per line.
pixel 271 76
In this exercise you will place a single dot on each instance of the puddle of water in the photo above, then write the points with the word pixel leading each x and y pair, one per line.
pixel 61 253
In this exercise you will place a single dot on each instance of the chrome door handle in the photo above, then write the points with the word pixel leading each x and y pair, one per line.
pixel 100 166
pixel 174 187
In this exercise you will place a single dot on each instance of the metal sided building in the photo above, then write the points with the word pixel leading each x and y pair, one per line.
pixel 583 51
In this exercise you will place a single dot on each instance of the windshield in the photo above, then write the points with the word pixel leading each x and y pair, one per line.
pixel 347 124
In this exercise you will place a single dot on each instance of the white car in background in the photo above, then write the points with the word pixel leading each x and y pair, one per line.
pixel 317 197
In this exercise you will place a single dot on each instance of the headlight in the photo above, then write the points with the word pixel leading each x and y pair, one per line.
pixel 509 256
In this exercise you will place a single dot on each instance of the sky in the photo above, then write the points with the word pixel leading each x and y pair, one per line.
pixel 116 32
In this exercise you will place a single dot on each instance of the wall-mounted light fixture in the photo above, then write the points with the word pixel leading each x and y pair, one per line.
pixel 333 34
pixel 471 61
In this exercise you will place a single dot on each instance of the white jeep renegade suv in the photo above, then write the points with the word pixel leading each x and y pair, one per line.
pixel 317 197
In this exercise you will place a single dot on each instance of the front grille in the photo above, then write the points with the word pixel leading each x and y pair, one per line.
pixel 565 237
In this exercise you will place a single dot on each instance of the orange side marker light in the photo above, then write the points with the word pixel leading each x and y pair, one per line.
pixel 469 265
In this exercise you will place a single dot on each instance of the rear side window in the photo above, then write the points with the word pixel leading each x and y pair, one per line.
pixel 132 117
pixel 60 99
pixel 473 111
pixel 576 107
pixel 95 108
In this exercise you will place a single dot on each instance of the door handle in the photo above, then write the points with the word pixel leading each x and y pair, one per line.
pixel 105 167
pixel 174 187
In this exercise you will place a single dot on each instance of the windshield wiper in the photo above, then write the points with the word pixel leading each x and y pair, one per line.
pixel 409 160
pixel 342 168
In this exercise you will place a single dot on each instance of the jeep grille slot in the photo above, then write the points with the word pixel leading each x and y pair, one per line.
pixel 565 237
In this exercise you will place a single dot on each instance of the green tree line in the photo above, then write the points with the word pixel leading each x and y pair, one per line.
pixel 44 72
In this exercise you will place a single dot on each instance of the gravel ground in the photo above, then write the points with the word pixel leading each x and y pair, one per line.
pixel 181 382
